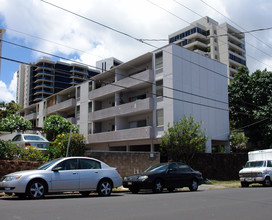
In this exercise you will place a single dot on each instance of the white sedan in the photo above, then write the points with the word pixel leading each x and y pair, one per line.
pixel 70 174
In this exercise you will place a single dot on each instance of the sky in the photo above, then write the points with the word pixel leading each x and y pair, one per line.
pixel 34 25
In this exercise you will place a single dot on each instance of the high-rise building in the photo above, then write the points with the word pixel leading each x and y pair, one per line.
pixel 221 42
pixel 44 78
pixel 1 37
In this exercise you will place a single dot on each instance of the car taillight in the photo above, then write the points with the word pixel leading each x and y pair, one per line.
pixel 27 144
pixel 117 170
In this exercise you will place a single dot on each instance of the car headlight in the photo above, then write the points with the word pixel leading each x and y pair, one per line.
pixel 142 178
pixel 125 178
pixel 11 178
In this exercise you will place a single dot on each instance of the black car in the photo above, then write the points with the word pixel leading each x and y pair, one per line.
pixel 164 175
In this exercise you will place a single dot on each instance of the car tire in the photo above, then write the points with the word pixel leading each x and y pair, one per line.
pixel 157 186
pixel 85 193
pixel 194 185
pixel 134 190
pixel 170 189
pixel 36 189
pixel 244 184
pixel 104 187
pixel 267 182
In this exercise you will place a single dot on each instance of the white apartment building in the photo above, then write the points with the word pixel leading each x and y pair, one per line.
pixel 129 107
pixel 220 42
pixel 2 31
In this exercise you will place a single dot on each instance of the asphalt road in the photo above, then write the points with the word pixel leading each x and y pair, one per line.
pixel 239 203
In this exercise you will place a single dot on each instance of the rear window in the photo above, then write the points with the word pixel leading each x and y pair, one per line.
pixel 33 138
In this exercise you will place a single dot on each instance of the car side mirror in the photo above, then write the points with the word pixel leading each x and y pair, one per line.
pixel 56 169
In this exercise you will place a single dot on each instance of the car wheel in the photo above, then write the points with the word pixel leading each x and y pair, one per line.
pixel 134 190
pixel 36 189
pixel 104 188
pixel 85 193
pixel 194 185
pixel 244 184
pixel 170 189
pixel 157 186
pixel 267 182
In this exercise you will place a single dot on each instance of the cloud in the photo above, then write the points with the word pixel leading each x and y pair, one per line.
pixel 8 93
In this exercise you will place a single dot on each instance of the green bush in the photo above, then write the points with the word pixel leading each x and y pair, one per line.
pixel 59 147
pixel 8 150
pixel 31 153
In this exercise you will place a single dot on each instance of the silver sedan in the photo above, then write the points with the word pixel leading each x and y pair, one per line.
pixel 70 174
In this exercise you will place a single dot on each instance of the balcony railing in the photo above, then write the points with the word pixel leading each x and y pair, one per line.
pixel 122 135
pixel 137 107
pixel 62 106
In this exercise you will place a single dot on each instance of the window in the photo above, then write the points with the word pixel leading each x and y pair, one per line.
pixel 89 164
pixel 78 92
pixel 70 164
pixel 90 86
pixel 184 168
pixel 78 112
pixel 269 163
pixel 159 88
pixel 90 128
pixel 159 119
pixel 158 60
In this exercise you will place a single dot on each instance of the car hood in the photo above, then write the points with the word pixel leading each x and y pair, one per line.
pixel 136 176
pixel 252 169
pixel 25 172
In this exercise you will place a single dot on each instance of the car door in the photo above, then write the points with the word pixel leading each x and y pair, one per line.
pixel 66 177
pixel 171 178
pixel 185 175
pixel 17 140
pixel 90 173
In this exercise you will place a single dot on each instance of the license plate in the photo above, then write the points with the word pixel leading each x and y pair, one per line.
pixel 129 183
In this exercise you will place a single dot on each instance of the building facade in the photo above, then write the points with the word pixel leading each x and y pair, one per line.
pixel 39 80
pixel 221 42
pixel 129 107
pixel 2 31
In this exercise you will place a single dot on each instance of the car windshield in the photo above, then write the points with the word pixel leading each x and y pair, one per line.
pixel 250 164
pixel 48 164
pixel 157 167
pixel 33 138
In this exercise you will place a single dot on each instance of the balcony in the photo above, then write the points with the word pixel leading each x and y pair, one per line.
pixel 122 135
pixel 31 116
pixel 43 67
pixel 62 106
pixel 43 79
pixel 136 81
pixel 43 85
pixel 139 106
pixel 42 91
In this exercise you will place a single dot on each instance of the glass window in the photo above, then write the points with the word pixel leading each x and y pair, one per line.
pixel 78 112
pixel 159 88
pixel 159 119
pixel 90 128
pixel 70 164
pixel 90 86
pixel 158 60
pixel 89 164
pixel 269 163
pixel 78 92
pixel 184 168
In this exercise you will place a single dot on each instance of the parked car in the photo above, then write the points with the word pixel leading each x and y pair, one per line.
pixel 164 175
pixel 25 140
pixel 70 174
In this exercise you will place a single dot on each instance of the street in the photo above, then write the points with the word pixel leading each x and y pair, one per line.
pixel 237 203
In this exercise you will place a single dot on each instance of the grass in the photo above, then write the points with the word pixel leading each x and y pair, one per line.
pixel 227 184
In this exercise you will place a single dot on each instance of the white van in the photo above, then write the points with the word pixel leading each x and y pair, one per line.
pixel 258 168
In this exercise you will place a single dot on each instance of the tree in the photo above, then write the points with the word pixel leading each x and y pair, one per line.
pixel 8 109
pixel 184 139
pixel 55 125
pixel 238 142
pixel 14 122
pixel 250 103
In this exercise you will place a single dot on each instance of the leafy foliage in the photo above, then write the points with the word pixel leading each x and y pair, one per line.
pixel 238 142
pixel 59 147
pixel 31 153
pixel 55 125
pixel 250 102
pixel 14 122
pixel 184 139
pixel 9 151
pixel 7 109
